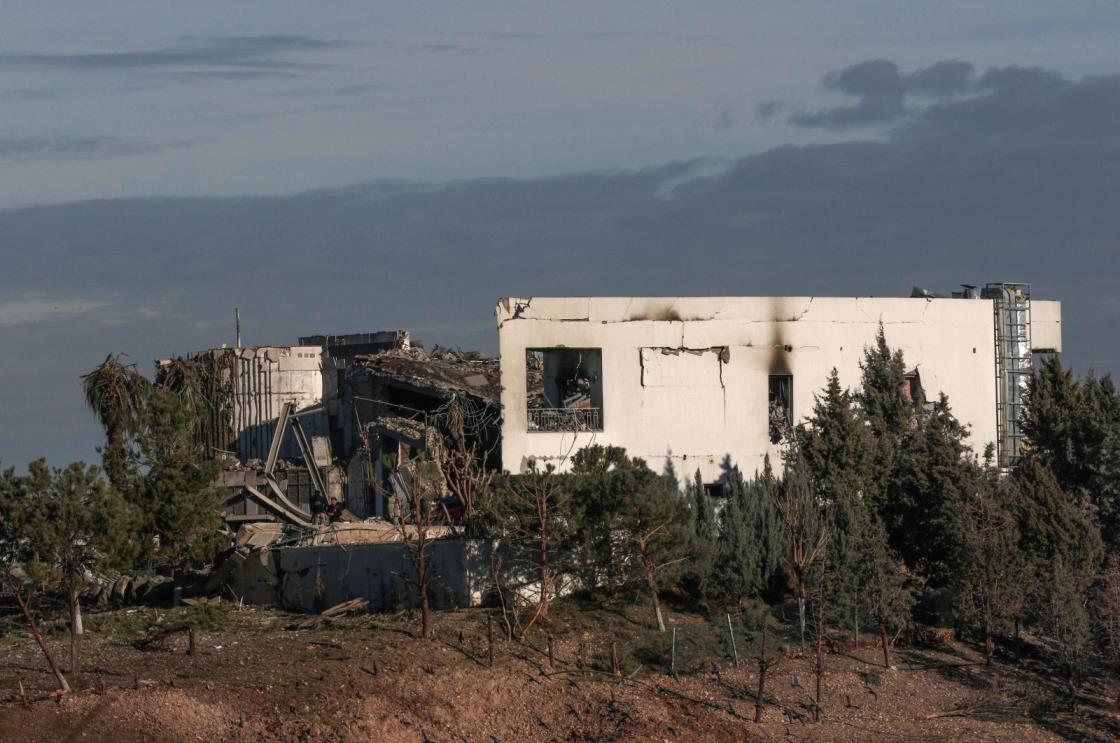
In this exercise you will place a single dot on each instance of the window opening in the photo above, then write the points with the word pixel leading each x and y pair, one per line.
pixel 564 389
pixel 780 407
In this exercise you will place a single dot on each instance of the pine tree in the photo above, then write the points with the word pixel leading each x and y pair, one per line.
pixel 80 527
pixel 178 498
pixel 631 518
pixel 888 412
pixel 1073 429
pixel 881 394
pixel 839 452
pixel 1053 524
pixel 929 485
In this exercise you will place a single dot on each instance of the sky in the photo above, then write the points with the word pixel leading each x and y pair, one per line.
pixel 346 166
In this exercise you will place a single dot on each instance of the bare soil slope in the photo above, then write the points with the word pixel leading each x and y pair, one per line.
pixel 366 678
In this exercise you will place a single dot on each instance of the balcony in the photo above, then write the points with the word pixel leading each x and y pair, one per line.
pixel 565 419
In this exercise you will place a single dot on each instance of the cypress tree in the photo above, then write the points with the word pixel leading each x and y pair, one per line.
pixel 838 451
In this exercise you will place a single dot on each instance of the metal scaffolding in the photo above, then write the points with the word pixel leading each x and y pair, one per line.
pixel 1011 304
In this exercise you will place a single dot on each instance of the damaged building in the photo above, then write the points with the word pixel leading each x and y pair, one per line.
pixel 337 417
pixel 684 382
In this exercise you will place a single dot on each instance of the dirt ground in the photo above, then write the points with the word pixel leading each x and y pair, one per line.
pixel 368 678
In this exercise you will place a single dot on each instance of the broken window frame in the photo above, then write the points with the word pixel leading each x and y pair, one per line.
pixel 779 407
pixel 556 416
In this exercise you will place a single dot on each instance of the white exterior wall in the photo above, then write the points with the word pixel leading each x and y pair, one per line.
pixel 695 409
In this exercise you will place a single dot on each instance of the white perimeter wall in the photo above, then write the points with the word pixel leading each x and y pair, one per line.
pixel 695 410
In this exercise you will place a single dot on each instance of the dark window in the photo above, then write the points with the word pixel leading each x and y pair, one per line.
pixel 714 490
pixel 780 407
pixel 564 389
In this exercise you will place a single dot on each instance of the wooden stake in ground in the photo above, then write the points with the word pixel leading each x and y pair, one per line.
pixel 886 644
pixel 190 640
pixel 63 685
pixel 820 649
pixel 763 664
pixel 731 634
pixel 75 629
pixel 614 659
pixel 490 638
pixel 673 655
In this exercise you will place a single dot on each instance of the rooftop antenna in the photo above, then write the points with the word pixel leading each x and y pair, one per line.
pixel 237 324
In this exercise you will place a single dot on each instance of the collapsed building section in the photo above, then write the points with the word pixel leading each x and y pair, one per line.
pixel 338 418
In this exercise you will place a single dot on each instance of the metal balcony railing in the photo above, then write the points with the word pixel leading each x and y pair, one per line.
pixel 565 419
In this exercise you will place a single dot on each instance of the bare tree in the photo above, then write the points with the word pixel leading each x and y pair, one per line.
pixel 1067 621
pixel 806 523
pixel 886 597
pixel 465 467
pixel 416 507
pixel 1107 616
pixel 536 508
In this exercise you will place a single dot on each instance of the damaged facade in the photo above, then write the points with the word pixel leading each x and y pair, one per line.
pixel 342 417
pixel 684 382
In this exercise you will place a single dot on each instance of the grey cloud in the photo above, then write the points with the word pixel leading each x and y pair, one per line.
pixel 970 190
pixel 359 89
pixel 878 85
pixel 726 119
pixel 942 79
pixel 882 90
pixel 233 75
pixel 29 94
pixel 767 110
pixel 64 147
pixel 242 51
pixel 455 48
pixel 876 77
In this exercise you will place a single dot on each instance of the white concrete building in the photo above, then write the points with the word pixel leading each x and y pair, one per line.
pixel 696 379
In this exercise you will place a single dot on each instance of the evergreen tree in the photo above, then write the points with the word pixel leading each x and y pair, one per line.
pixel 1053 524
pixel 881 394
pixel 886 595
pixel 993 569
pixel 704 537
pixel 80 527
pixel 749 548
pixel 177 496
pixel 644 528
pixel 839 452
pixel 930 483
pixel 1073 429
pixel 888 413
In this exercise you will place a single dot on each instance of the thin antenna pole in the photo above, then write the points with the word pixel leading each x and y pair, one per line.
pixel 237 324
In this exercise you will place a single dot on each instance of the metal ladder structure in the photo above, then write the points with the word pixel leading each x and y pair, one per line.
pixel 1011 304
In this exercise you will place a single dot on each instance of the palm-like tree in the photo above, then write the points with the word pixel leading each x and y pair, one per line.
pixel 116 393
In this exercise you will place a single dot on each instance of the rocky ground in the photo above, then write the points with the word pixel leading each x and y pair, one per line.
pixel 367 677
